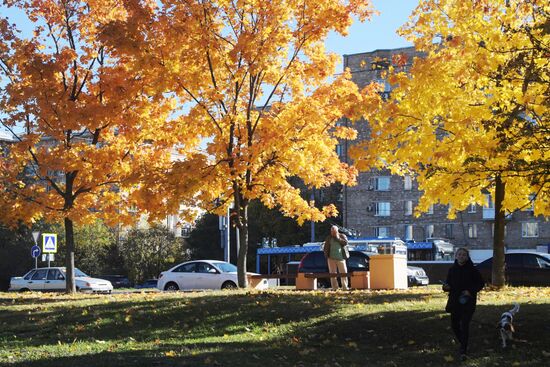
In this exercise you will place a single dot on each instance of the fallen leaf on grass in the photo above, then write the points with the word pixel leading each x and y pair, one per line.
pixel 449 358
pixel 170 353
pixel 79 328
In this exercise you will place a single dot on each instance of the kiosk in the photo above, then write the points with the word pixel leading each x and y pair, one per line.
pixel 388 269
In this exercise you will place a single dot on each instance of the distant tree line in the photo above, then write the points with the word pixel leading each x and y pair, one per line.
pixel 143 253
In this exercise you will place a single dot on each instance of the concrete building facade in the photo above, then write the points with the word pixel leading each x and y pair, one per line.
pixel 382 204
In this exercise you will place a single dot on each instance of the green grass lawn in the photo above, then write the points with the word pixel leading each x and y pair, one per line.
pixel 273 328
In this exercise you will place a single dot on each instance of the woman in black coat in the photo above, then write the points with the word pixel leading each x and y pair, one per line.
pixel 463 282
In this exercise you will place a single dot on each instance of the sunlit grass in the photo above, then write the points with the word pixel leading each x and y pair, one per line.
pixel 273 328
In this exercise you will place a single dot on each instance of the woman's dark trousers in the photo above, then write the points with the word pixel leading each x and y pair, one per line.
pixel 460 322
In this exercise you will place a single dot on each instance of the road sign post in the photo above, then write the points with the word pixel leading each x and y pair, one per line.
pixel 35 252
pixel 49 245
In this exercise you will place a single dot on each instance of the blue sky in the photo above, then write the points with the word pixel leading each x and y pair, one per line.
pixel 378 33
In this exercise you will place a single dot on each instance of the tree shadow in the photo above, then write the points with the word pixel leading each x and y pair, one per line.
pixel 310 330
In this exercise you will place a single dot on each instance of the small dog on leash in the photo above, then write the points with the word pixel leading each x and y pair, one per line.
pixel 506 325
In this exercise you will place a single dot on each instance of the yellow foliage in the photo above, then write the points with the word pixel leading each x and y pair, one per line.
pixel 262 105
pixel 473 108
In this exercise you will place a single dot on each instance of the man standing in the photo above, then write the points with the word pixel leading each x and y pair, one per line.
pixel 334 252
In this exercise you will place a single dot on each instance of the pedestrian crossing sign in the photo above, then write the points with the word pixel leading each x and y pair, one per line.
pixel 49 243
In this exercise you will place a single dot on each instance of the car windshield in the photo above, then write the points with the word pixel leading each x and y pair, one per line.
pixel 226 267
pixel 79 273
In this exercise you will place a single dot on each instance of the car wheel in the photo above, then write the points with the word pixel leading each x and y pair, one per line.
pixel 171 287
pixel 24 290
pixel 229 285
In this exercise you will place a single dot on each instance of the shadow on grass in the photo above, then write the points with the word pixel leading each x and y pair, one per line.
pixel 308 329
pixel 204 316
pixel 10 299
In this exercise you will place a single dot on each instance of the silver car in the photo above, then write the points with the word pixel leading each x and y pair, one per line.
pixel 54 279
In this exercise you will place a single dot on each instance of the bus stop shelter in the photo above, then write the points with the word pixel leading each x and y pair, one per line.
pixel 358 244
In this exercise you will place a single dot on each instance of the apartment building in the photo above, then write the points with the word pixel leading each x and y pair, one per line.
pixel 382 204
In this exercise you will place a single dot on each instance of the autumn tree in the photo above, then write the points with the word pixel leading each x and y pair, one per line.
pixel 258 95
pixel 471 116
pixel 84 120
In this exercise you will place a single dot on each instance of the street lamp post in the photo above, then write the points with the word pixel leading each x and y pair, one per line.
pixel 312 202
pixel 224 227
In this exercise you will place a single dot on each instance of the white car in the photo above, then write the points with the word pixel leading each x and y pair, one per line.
pixel 202 274
pixel 417 276
pixel 53 279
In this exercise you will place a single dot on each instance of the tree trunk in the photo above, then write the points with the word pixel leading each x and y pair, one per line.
pixel 69 262
pixel 498 278
pixel 243 247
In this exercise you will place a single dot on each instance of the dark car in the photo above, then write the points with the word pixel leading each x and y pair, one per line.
pixel 149 283
pixel 522 268
pixel 118 281
pixel 315 262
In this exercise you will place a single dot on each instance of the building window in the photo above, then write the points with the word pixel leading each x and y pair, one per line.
pixel 489 203
pixel 383 209
pixel 430 209
pixel 339 150
pixel 408 207
pixel 449 230
pixel 384 84
pixel 529 229
pixel 382 183
pixel 472 208
pixel 409 232
pixel 472 230
pixel 382 231
pixel 489 208
pixel 429 230
pixel 531 206
pixel 407 183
